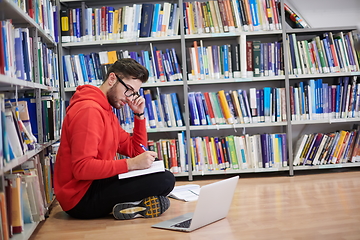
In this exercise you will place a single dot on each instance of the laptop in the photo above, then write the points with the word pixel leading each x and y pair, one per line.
pixel 213 204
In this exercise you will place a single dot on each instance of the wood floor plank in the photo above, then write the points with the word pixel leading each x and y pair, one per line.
pixel 313 206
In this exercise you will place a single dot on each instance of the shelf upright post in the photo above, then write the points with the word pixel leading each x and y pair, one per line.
pixel 37 80
pixel 185 87
pixel 287 90
pixel 60 62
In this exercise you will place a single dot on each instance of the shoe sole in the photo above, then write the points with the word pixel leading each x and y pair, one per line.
pixel 149 207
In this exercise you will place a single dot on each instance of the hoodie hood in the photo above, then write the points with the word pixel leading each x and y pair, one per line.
pixel 92 93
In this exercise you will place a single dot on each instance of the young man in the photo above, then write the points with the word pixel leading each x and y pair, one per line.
pixel 85 179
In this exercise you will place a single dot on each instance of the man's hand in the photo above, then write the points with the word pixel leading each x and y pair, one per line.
pixel 137 105
pixel 141 161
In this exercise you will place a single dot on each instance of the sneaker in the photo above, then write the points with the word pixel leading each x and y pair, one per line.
pixel 149 207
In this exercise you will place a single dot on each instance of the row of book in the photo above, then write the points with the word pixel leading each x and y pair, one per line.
pixel 28 193
pixel 237 106
pixel 163 66
pixel 328 148
pixel 329 53
pixel 315 99
pixel 127 22
pixel 161 111
pixel 238 152
pixel 220 16
pixel 17 59
pixel 44 13
pixel 162 19
pixel 222 153
pixel 228 61
pixel 19 131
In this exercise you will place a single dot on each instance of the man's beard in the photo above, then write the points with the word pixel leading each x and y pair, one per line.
pixel 112 97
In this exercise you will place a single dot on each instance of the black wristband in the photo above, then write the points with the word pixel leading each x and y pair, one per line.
pixel 138 114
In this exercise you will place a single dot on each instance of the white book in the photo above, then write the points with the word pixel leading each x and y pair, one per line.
pixel 243 56
pixel 321 147
pixel 78 70
pixel 166 18
pixel 299 148
pixel 244 155
pixel 171 112
pixel 253 105
pixel 235 11
pixel 12 133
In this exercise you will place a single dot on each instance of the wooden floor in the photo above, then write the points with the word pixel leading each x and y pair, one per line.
pixel 312 206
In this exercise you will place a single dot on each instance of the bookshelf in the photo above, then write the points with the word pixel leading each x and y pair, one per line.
pixel 29 71
pixel 184 41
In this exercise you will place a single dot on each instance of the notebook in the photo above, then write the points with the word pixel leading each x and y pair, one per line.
pixel 213 204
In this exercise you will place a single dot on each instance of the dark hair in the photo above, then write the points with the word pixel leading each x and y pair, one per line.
pixel 128 67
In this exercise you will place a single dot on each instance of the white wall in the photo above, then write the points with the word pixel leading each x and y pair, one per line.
pixel 328 13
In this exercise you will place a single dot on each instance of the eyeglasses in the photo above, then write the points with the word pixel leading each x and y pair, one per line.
pixel 129 92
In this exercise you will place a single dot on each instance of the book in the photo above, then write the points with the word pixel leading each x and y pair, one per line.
pixel 187 193
pixel 156 166
pixel 293 17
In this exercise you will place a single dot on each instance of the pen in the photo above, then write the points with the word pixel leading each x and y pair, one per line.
pixel 193 192
pixel 145 149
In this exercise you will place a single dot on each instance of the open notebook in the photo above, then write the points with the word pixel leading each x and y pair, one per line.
pixel 157 166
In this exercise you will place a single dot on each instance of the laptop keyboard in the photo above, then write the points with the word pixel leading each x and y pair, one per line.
pixel 184 224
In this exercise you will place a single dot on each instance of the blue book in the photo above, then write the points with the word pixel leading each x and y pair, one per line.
pixel 66 78
pixel 226 60
pixel 110 19
pixel 177 110
pixel 177 64
pixel 267 99
pixel 302 98
pixel 344 96
pixel 27 63
pixel 264 150
pixel 284 154
pixel 148 65
pixel 167 67
pixel 146 19
pixel 172 18
pixel 148 103
pixel 260 104
pixel 166 110
pixel 207 115
pixel 90 70
pixel 19 54
pixel 254 14
pixel 337 101
pixel 77 24
pixel 194 115
pixel 186 27
pixel 328 54
pixel 292 54
pixel 202 70
pixel 200 108
pixel 83 68
pixel 158 115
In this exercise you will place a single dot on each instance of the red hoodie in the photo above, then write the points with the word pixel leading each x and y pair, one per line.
pixel 90 138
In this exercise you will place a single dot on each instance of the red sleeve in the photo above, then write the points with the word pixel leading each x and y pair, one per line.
pixel 87 128
pixel 129 145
